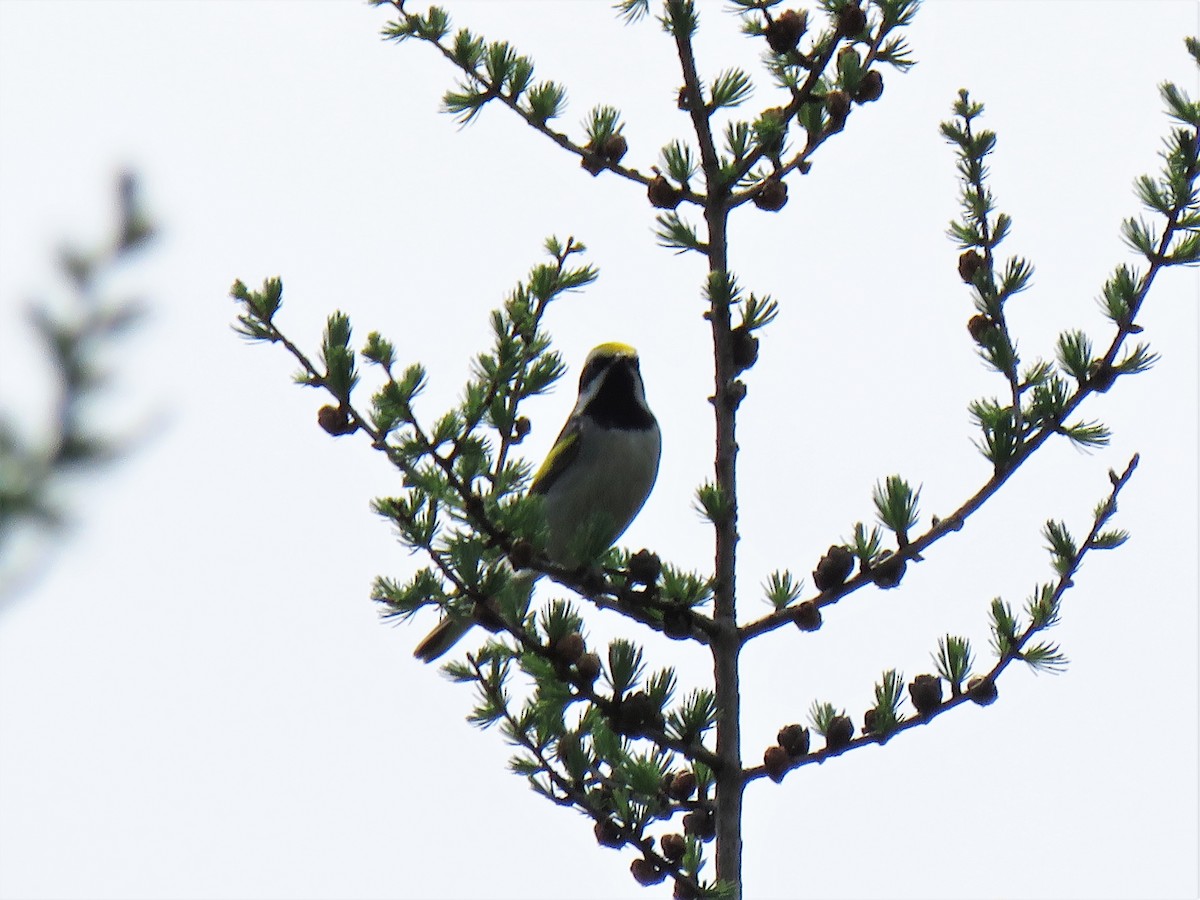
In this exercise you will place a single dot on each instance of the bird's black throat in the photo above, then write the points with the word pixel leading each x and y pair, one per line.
pixel 615 404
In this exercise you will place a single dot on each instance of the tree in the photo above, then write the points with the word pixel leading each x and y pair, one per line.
pixel 663 775
pixel 33 469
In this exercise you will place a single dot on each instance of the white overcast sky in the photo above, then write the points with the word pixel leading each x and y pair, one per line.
pixel 197 699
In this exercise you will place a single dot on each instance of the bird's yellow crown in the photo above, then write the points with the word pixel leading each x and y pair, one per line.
pixel 612 348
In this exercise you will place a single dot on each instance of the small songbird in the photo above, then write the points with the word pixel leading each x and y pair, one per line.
pixel 596 477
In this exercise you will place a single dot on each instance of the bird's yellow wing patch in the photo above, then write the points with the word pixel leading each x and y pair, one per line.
pixel 557 459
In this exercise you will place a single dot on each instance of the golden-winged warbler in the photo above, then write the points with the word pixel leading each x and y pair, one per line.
pixel 597 475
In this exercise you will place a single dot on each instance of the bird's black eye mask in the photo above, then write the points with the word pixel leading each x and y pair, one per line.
pixel 596 367
pixel 592 371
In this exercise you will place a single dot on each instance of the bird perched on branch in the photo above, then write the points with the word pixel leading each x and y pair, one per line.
pixel 596 477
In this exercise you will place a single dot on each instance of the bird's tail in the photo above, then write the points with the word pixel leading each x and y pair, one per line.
pixel 448 632
pixel 452 629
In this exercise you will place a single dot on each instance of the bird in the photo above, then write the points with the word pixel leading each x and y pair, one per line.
pixel 596 477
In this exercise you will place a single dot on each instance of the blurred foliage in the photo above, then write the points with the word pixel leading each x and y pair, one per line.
pixel 71 336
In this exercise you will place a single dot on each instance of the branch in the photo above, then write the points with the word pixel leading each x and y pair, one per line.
pixel 1105 370
pixel 73 340
pixel 576 797
pixel 978 695
pixel 491 91
pixel 800 96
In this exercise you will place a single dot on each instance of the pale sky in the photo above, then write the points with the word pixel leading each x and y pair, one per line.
pixel 197 698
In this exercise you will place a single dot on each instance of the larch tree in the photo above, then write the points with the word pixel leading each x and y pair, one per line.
pixel 657 766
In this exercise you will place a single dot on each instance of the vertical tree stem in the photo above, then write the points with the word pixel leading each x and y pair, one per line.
pixel 725 644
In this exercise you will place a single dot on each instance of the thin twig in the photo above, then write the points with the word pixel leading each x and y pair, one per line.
pixel 1065 582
